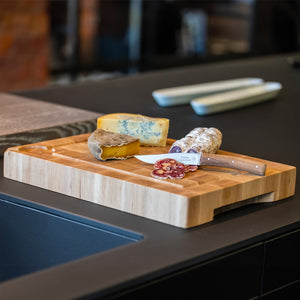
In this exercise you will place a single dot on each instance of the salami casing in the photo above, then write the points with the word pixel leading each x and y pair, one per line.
pixel 200 139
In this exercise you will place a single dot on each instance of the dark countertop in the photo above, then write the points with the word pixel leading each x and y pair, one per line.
pixel 268 130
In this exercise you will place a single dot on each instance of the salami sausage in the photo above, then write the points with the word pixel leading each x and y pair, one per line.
pixel 168 168
pixel 200 139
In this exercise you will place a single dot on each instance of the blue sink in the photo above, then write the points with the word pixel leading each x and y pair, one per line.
pixel 33 237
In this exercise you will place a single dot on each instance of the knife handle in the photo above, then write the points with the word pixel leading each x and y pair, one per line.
pixel 233 162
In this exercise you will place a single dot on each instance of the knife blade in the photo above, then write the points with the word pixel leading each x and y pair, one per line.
pixel 205 159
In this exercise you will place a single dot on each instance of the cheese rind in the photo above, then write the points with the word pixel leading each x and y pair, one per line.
pixel 150 131
pixel 109 145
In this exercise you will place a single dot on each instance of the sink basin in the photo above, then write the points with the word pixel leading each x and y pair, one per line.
pixel 34 237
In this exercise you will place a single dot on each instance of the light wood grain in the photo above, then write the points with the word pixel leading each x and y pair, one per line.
pixel 66 166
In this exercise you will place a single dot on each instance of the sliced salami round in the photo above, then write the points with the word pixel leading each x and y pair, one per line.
pixel 160 174
pixel 189 168
pixel 168 164
pixel 176 174
pixel 168 168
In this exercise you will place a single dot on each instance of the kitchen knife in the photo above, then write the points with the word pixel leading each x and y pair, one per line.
pixel 205 159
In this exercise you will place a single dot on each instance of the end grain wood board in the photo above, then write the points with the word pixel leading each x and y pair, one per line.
pixel 66 166
pixel 24 121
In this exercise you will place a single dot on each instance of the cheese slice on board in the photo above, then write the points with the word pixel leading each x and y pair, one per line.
pixel 109 145
pixel 150 131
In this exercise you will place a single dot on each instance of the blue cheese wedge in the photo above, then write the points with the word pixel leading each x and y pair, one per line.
pixel 150 131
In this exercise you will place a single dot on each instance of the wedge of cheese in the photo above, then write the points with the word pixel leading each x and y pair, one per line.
pixel 150 131
pixel 109 145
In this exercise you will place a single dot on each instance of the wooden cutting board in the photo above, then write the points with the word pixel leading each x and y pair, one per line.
pixel 66 166
pixel 24 121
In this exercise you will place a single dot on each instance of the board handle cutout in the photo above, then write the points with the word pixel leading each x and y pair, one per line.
pixel 268 197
